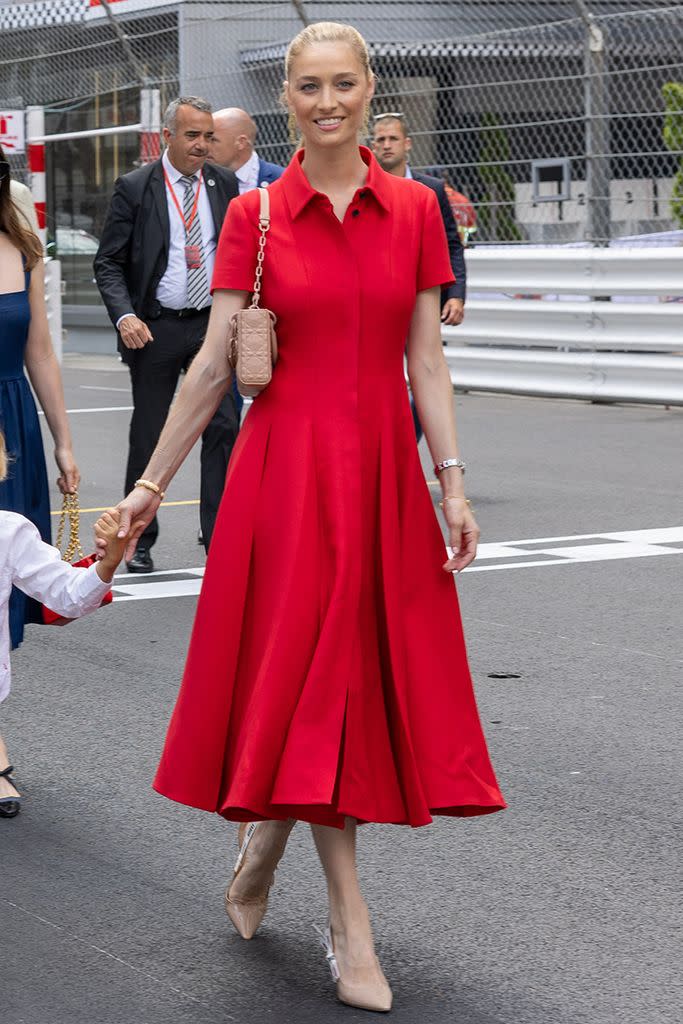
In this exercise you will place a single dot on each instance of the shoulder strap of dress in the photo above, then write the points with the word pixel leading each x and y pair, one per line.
pixel 27 273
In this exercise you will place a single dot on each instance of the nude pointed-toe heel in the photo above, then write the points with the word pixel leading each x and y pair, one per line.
pixel 375 996
pixel 246 915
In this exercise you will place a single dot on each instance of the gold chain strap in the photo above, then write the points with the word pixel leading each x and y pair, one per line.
pixel 71 510
pixel 264 225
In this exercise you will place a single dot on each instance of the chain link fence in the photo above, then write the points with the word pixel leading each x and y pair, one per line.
pixel 551 116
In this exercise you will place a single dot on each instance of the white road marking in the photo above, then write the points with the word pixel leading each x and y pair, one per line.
pixel 101 387
pixel 103 408
pixel 149 576
pixel 152 590
pixel 624 544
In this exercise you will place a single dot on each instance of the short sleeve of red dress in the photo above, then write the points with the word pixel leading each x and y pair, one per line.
pixel 434 263
pixel 235 263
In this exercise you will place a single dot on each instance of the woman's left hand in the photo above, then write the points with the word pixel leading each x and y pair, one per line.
pixel 70 476
pixel 463 534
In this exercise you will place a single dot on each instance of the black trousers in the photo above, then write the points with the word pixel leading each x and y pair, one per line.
pixel 154 373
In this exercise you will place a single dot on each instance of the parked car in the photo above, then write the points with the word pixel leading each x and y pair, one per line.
pixel 76 249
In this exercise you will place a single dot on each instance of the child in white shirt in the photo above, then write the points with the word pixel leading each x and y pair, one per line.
pixel 35 567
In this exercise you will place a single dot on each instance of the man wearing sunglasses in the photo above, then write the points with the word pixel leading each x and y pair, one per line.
pixel 391 145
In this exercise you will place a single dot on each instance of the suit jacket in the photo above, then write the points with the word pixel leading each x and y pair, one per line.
pixel 455 246
pixel 133 253
pixel 268 173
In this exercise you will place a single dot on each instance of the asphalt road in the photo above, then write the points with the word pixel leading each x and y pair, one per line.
pixel 560 910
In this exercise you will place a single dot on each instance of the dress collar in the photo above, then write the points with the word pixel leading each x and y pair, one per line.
pixel 299 190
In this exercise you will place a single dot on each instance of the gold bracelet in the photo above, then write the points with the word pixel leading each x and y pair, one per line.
pixel 455 497
pixel 150 486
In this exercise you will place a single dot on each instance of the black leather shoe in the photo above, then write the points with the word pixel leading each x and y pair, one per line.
pixel 9 805
pixel 141 561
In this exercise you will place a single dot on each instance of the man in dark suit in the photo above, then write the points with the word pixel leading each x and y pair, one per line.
pixel 233 146
pixel 391 145
pixel 153 269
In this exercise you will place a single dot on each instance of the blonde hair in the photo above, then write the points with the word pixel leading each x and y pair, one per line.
pixel 327 32
pixel 3 458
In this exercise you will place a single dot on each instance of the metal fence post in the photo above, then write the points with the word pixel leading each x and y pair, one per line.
pixel 596 108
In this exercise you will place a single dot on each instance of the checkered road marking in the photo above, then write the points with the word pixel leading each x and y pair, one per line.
pixel 511 554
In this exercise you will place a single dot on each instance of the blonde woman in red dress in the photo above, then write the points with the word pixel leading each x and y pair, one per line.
pixel 327 680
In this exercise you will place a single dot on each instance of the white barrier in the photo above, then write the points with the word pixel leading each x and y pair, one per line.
pixel 575 271
pixel 598 350
pixel 527 323
pixel 598 376
pixel 53 303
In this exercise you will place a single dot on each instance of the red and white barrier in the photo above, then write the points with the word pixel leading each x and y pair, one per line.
pixel 35 130
pixel 150 128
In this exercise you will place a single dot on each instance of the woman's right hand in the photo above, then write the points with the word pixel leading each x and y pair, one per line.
pixel 137 511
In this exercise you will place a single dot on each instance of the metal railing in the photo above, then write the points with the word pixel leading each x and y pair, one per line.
pixel 592 346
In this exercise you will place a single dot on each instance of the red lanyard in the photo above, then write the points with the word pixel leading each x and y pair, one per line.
pixel 193 213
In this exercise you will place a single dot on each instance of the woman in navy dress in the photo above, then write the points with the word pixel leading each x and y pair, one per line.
pixel 25 342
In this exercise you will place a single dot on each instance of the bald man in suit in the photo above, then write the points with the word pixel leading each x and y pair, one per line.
pixel 233 146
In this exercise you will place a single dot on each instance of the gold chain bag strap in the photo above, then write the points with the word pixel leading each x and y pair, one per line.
pixel 253 342
pixel 71 510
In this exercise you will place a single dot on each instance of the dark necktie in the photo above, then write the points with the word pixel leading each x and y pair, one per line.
pixel 198 294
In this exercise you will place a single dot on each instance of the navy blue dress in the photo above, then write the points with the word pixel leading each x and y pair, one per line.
pixel 26 488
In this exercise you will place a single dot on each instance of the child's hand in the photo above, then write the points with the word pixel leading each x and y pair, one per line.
pixel 106 530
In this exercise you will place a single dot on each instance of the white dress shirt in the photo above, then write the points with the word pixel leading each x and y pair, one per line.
pixel 35 567
pixel 172 288
pixel 247 174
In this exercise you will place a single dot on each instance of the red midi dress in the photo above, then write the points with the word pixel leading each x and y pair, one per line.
pixel 327 674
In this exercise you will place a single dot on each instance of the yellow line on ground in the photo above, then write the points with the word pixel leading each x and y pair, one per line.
pixel 166 504
pixel 172 504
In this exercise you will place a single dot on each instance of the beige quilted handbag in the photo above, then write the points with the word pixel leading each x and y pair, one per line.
pixel 253 342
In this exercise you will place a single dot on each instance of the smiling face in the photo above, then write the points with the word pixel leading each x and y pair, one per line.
pixel 188 146
pixel 328 92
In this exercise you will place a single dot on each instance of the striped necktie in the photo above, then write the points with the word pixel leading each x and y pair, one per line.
pixel 198 294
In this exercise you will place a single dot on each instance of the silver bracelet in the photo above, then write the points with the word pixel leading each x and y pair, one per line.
pixel 448 463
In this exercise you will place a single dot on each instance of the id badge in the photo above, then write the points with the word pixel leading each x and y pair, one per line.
pixel 193 257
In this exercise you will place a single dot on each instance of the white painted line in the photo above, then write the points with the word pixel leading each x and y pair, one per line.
pixel 151 591
pixel 625 544
pixel 104 408
pixel 622 544
pixel 101 387
pixel 582 558
pixel 144 577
